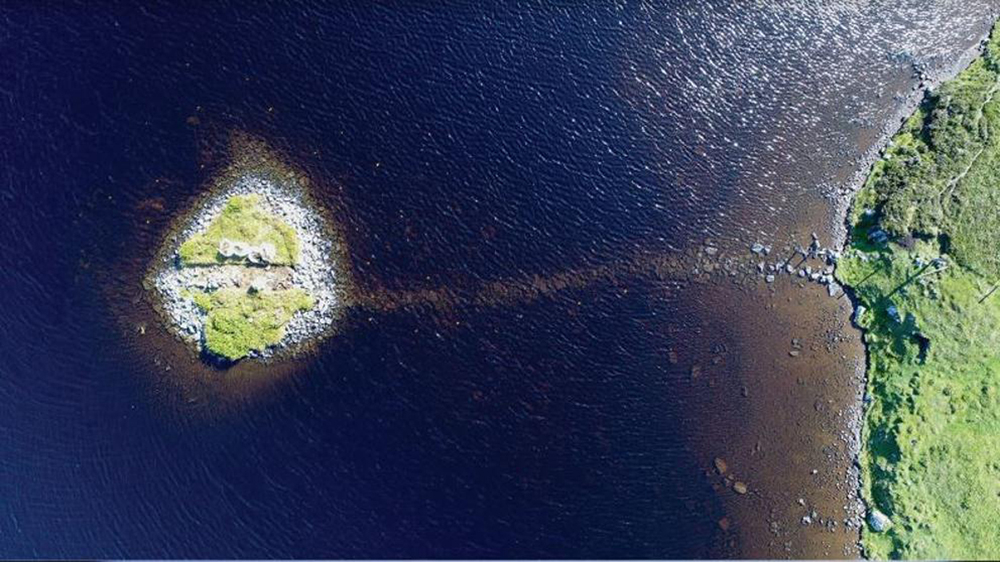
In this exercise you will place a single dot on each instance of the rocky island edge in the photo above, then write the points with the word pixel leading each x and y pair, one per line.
pixel 252 269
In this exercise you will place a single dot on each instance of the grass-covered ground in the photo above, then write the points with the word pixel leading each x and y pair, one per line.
pixel 240 321
pixel 931 455
pixel 242 220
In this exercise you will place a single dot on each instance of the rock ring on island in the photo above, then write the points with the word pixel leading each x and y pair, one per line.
pixel 252 271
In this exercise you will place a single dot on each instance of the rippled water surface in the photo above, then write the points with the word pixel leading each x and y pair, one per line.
pixel 536 363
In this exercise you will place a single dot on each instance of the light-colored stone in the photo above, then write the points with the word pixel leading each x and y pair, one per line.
pixel 879 521
pixel 258 284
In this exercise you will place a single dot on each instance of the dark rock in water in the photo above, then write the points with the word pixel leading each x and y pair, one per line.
pixel 814 249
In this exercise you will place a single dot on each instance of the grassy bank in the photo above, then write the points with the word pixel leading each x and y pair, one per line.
pixel 924 256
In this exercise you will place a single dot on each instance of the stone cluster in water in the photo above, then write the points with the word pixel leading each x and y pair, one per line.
pixel 814 263
pixel 314 272
pixel 800 263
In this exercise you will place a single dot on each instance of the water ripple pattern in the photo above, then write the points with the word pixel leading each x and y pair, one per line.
pixel 517 156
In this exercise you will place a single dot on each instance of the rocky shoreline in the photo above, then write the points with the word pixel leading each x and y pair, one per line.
pixel 930 319
pixel 929 78
pixel 800 263
pixel 315 272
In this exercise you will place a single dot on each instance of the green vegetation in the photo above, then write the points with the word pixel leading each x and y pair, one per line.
pixel 242 220
pixel 239 322
pixel 932 431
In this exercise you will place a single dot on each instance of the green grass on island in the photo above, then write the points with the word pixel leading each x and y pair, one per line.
pixel 925 253
pixel 244 221
pixel 240 321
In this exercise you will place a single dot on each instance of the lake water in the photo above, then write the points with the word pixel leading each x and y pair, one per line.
pixel 513 380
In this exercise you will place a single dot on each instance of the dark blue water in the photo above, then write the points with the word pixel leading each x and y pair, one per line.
pixel 457 146
pixel 462 144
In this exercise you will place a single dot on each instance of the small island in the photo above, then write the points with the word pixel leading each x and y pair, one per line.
pixel 923 266
pixel 252 272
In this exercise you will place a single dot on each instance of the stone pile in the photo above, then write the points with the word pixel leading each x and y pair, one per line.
pixel 260 255
pixel 814 263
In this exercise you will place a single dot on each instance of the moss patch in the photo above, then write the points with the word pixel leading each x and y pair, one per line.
pixel 932 431
pixel 242 220
pixel 240 322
